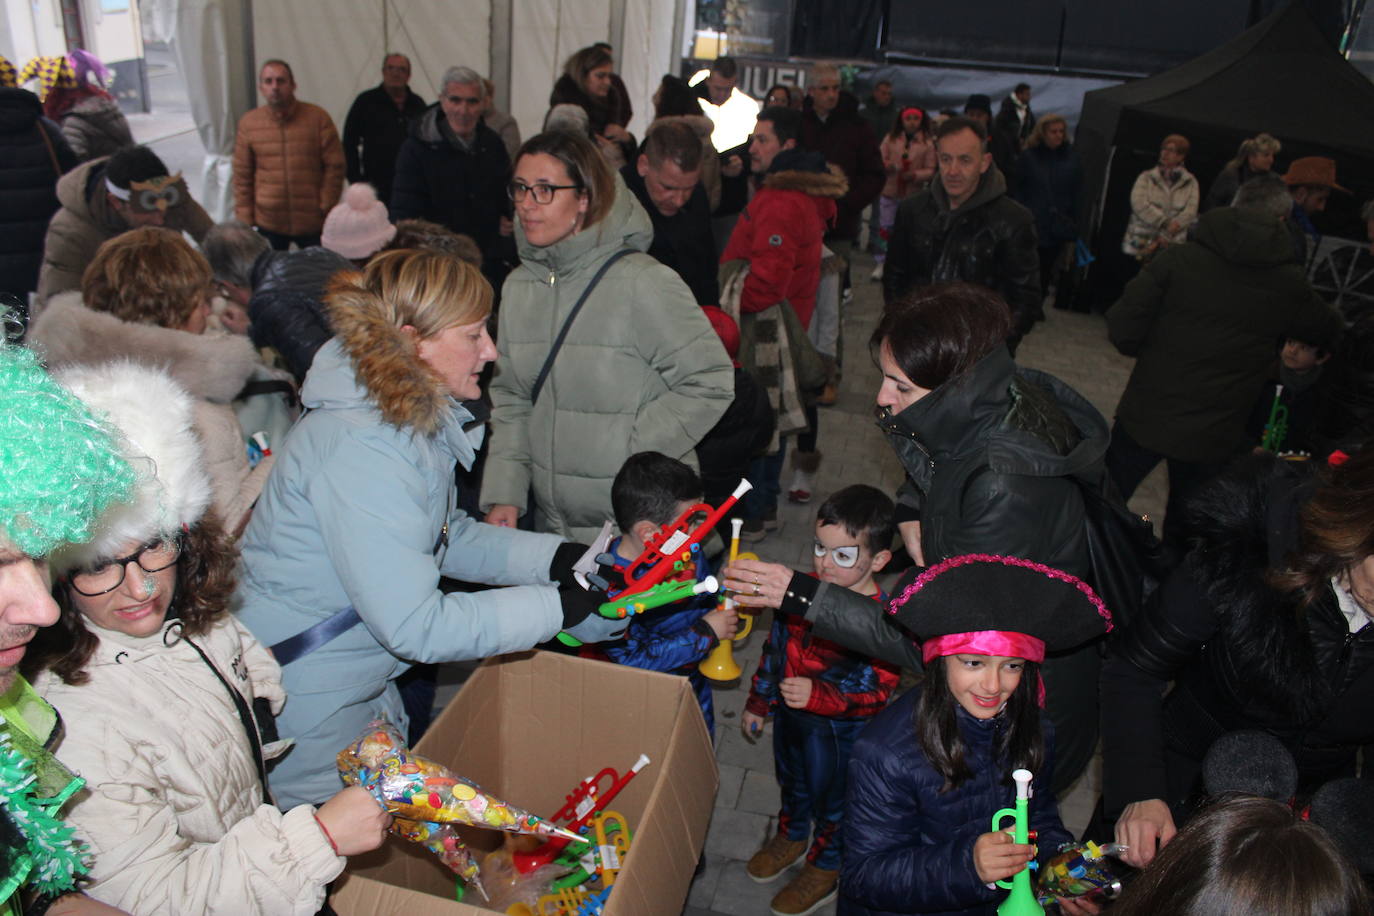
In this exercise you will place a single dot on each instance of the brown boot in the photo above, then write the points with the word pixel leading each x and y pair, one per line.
pixel 773 859
pixel 807 892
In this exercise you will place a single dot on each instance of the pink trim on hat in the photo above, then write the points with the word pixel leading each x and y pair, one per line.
pixel 989 642
pixel 985 642
pixel 938 569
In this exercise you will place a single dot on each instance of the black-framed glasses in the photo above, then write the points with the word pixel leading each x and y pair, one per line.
pixel 543 193
pixel 155 556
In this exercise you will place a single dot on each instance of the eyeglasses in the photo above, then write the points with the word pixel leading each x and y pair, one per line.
pixel 542 193
pixel 844 557
pixel 152 557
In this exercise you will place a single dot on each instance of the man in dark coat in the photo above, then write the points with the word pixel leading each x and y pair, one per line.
pixel 881 109
pixel 378 123
pixel 965 227
pixel 1015 118
pixel 33 156
pixel 1202 319
pixel 454 170
pixel 1004 148
pixel 832 127
pixel 281 291
pixel 667 180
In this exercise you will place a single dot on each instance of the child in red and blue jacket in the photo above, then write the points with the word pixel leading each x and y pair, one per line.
pixel 651 491
pixel 821 695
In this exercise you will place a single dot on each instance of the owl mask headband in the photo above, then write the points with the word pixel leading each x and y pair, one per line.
pixel 151 195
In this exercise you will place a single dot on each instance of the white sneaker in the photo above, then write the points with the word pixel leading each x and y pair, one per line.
pixel 877 274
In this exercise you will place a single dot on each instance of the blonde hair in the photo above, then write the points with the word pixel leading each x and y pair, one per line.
pixel 429 290
pixel 147 276
pixel 1037 136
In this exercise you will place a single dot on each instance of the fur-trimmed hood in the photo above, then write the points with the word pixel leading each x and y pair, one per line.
pixel 829 184
pixel 212 367
pixel 387 373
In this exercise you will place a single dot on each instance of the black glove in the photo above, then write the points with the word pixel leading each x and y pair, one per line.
pixel 581 620
pixel 561 569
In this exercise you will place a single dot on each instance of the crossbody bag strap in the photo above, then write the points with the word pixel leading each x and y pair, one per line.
pixel 311 638
pixel 250 725
pixel 52 153
pixel 567 322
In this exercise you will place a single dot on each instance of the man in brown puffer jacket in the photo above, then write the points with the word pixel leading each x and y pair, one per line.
pixel 288 163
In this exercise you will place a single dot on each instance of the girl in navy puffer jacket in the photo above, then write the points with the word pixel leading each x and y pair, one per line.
pixel 927 775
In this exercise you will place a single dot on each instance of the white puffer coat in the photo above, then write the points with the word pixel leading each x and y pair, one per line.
pixel 173 808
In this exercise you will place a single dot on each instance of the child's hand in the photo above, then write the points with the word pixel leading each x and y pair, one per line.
pixel 996 857
pixel 1071 906
pixel 752 725
pixel 796 691
pixel 724 623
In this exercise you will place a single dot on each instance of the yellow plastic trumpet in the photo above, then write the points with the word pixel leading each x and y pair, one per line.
pixel 720 665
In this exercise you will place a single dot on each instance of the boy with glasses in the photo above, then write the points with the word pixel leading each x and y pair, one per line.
pixel 820 695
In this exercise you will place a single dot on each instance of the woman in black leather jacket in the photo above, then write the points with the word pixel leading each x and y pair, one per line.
pixel 995 458
pixel 1265 626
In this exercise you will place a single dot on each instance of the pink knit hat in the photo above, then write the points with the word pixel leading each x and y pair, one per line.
pixel 358 227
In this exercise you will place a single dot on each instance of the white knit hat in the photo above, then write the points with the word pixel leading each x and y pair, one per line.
pixel 155 419
pixel 358 227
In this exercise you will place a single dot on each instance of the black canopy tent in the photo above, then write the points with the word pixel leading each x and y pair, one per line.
pixel 1281 76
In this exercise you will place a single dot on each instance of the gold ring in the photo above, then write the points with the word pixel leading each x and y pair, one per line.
pixel 757 590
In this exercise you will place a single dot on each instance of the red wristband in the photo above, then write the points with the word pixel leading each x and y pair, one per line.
pixel 325 830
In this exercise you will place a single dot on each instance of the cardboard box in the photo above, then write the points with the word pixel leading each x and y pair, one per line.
pixel 528 728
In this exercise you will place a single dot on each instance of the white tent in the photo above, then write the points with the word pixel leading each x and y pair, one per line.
pixel 335 48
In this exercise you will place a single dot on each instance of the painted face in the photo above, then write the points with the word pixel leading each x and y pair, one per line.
pixel 719 89
pixel 545 224
pixel 459 354
pixel 982 684
pixel 462 105
pixel 598 84
pixel 668 185
pixel 962 164
pixel 838 558
pixel 897 392
pixel 825 94
pixel 396 72
pixel 137 606
pixel 276 85
pixel 1054 135
pixel 764 147
pixel 1300 357
pixel 25 605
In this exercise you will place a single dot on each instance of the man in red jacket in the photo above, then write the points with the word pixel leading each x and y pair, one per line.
pixel 779 234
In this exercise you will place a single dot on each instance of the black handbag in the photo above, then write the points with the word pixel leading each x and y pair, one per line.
pixel 1127 559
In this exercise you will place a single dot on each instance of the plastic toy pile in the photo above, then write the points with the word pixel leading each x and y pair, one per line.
pixel 427 799
pixel 1081 871
pixel 542 870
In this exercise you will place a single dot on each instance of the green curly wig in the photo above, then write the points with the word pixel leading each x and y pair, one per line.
pixel 59 466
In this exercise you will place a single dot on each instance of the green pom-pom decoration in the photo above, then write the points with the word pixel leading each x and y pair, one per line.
pixel 52 858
